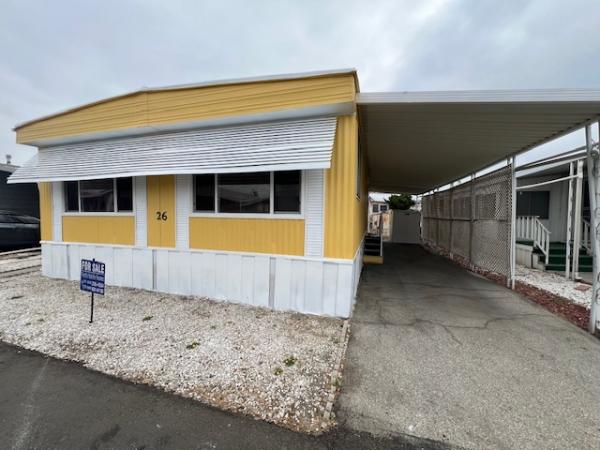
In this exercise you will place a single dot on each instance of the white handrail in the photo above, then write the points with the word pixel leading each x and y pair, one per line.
pixel 586 237
pixel 532 229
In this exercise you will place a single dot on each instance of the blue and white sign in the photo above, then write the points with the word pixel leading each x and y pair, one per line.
pixel 92 276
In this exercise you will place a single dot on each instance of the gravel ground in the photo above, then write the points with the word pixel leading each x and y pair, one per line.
pixel 271 365
pixel 579 293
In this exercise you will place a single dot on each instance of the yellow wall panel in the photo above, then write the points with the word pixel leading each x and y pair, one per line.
pixel 45 211
pixel 118 230
pixel 278 236
pixel 181 105
pixel 345 214
pixel 161 210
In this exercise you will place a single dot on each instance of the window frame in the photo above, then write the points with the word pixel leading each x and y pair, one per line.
pixel 115 211
pixel 272 214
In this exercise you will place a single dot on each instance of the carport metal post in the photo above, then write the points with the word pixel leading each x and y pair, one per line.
pixel 510 282
pixel 577 220
pixel 569 224
pixel 593 184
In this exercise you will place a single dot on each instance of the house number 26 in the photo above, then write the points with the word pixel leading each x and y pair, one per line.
pixel 161 215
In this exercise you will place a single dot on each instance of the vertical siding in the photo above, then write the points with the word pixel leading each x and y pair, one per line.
pixel 275 236
pixel 118 230
pixel 184 207
pixel 161 198
pixel 141 212
pixel 313 212
pixel 181 105
pixel 58 208
pixel 46 218
pixel 343 224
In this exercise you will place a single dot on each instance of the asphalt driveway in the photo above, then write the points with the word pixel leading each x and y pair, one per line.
pixel 438 352
pixel 51 404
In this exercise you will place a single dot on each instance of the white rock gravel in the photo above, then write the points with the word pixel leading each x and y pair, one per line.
pixel 237 349
pixel 580 293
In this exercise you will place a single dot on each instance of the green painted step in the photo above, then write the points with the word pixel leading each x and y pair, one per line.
pixel 561 267
pixel 558 259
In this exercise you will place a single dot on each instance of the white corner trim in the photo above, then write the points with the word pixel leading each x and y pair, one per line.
pixel 183 210
pixel 141 213
pixel 58 208
pixel 314 212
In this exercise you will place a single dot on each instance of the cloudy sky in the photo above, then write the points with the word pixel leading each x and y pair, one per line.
pixel 58 54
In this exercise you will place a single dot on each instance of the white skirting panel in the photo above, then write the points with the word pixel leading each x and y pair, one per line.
pixel 307 285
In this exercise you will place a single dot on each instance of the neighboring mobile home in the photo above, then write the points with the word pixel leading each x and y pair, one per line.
pixel 248 190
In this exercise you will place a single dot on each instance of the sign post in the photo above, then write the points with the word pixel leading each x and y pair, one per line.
pixel 92 280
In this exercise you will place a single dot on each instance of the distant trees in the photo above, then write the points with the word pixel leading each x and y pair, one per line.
pixel 401 201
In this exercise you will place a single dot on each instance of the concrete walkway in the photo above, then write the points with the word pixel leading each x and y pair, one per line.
pixel 440 353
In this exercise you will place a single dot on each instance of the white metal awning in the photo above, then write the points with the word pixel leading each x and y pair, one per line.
pixel 417 141
pixel 284 145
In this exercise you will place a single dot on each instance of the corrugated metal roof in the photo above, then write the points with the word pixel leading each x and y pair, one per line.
pixel 285 145
pixel 417 141
pixel 224 82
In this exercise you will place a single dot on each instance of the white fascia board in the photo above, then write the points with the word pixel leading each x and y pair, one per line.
pixel 491 96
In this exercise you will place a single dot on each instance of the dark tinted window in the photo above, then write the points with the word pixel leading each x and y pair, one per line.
pixel 97 195
pixel 124 194
pixel 533 203
pixel 71 196
pixel 287 191
pixel 244 192
pixel 204 192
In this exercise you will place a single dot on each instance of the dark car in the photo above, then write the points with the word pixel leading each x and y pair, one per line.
pixel 18 231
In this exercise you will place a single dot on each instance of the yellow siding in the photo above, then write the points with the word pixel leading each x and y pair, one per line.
pixel 345 214
pixel 169 106
pixel 118 230
pixel 279 236
pixel 161 199
pixel 45 211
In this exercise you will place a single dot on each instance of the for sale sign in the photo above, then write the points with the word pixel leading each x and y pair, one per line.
pixel 92 276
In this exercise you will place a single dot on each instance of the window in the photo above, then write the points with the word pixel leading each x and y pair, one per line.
pixel 107 195
pixel 71 195
pixel 533 203
pixel 124 194
pixel 204 193
pixel 249 193
pixel 383 208
pixel 244 192
pixel 287 191
pixel 375 208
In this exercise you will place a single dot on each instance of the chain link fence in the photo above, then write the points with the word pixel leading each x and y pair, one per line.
pixel 471 223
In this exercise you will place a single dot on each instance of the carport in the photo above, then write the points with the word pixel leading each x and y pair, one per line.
pixel 421 142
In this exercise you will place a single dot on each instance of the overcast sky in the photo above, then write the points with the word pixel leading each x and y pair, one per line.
pixel 58 54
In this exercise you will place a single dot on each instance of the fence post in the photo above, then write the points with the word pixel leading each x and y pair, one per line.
pixel 512 253
pixel 472 218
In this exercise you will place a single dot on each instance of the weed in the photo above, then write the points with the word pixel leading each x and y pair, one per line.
pixel 41 319
pixel 337 383
pixel 147 318
pixel 193 345
pixel 278 371
pixel 290 361
pixel 213 327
